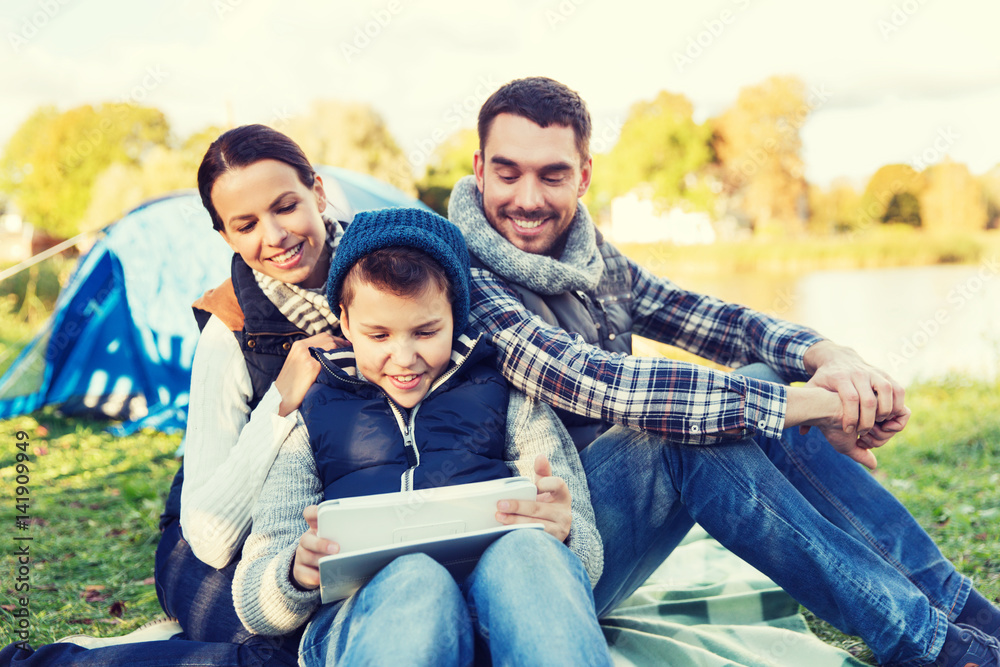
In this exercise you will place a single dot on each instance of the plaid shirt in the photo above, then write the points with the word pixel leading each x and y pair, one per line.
pixel 691 403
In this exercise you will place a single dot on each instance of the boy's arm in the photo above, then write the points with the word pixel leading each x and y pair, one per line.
pixel 266 600
pixel 533 429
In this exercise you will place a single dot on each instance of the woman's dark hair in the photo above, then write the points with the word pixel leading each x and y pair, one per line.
pixel 544 102
pixel 242 146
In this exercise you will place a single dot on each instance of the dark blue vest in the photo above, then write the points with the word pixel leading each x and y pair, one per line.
pixel 265 340
pixel 364 443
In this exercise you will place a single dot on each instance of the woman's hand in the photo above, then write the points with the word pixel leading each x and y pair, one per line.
pixel 552 507
pixel 305 566
pixel 300 370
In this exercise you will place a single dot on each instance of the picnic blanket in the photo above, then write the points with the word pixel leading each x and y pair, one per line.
pixel 704 607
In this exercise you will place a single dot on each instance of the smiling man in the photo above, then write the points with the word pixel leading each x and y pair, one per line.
pixel 665 443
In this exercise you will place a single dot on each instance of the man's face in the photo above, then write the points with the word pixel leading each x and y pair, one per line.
pixel 531 178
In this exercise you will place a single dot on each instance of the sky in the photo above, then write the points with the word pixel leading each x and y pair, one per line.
pixel 889 81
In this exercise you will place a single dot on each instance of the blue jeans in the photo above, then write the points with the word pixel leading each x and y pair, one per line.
pixel 812 520
pixel 200 597
pixel 527 602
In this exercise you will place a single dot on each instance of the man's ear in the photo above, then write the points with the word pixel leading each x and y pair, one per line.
pixel 479 167
pixel 586 171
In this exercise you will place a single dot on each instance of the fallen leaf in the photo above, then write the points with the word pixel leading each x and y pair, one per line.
pixel 41 451
pixel 114 532
pixel 981 536
pixel 8 607
pixel 94 587
pixel 93 596
pixel 42 430
pixel 117 609
pixel 114 492
pixel 149 581
pixel 94 506
pixel 36 521
pixel 81 621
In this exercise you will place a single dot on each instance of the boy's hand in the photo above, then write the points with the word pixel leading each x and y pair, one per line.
pixel 300 370
pixel 551 507
pixel 305 566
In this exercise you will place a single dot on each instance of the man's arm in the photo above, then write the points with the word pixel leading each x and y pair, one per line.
pixel 691 403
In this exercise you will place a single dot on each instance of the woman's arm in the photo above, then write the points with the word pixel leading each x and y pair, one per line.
pixel 266 599
pixel 227 449
pixel 533 429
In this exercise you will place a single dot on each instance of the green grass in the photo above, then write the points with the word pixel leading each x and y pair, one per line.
pixel 943 467
pixel 95 501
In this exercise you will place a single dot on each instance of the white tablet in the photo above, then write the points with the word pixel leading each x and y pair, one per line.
pixel 452 524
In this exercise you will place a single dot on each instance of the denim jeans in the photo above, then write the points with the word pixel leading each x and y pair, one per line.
pixel 528 602
pixel 814 521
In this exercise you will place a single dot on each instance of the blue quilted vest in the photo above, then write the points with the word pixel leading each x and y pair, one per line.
pixel 364 443
pixel 265 340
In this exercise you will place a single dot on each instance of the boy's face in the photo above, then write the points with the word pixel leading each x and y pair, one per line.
pixel 402 344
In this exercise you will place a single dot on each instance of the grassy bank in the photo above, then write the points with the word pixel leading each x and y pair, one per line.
pixel 880 248
pixel 95 499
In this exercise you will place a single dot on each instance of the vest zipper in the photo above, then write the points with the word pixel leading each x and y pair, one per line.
pixel 406 427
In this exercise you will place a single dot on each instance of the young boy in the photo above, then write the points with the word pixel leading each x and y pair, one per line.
pixel 417 403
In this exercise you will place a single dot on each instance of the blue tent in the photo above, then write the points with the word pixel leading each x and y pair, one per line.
pixel 121 339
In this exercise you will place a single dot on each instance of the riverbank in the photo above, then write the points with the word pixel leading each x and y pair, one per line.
pixel 881 248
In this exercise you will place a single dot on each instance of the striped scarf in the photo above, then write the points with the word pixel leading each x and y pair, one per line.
pixel 307 309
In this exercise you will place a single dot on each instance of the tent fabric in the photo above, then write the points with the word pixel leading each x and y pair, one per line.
pixel 121 340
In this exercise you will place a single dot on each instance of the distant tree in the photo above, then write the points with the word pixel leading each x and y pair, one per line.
pixel 351 135
pixel 121 187
pixel 892 196
pixel 449 162
pixel 758 146
pixel 662 148
pixel 834 210
pixel 953 200
pixel 990 182
pixel 52 161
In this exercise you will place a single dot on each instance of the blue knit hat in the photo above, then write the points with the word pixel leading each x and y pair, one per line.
pixel 412 227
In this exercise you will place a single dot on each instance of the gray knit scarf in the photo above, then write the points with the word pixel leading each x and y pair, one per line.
pixel 579 268
pixel 307 309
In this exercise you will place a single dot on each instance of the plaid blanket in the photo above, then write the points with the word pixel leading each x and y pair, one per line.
pixel 704 607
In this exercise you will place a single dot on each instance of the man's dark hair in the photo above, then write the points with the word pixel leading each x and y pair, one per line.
pixel 241 147
pixel 400 270
pixel 544 102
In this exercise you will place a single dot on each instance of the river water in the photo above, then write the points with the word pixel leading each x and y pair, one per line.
pixel 914 322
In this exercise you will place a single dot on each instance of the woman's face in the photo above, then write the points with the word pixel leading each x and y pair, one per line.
pixel 273 221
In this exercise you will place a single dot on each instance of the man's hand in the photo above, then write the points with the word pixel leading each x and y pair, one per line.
pixel 300 370
pixel 305 566
pixel 869 397
pixel 552 506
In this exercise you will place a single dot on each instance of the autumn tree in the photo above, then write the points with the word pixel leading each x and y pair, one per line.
pixel 351 135
pixel 833 210
pixel 953 200
pixel 449 162
pixel 53 160
pixel 661 148
pixel 758 147
pixel 891 196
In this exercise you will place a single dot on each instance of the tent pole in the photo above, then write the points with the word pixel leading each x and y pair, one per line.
pixel 45 254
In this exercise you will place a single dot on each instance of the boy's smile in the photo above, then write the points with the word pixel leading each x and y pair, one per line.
pixel 402 344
